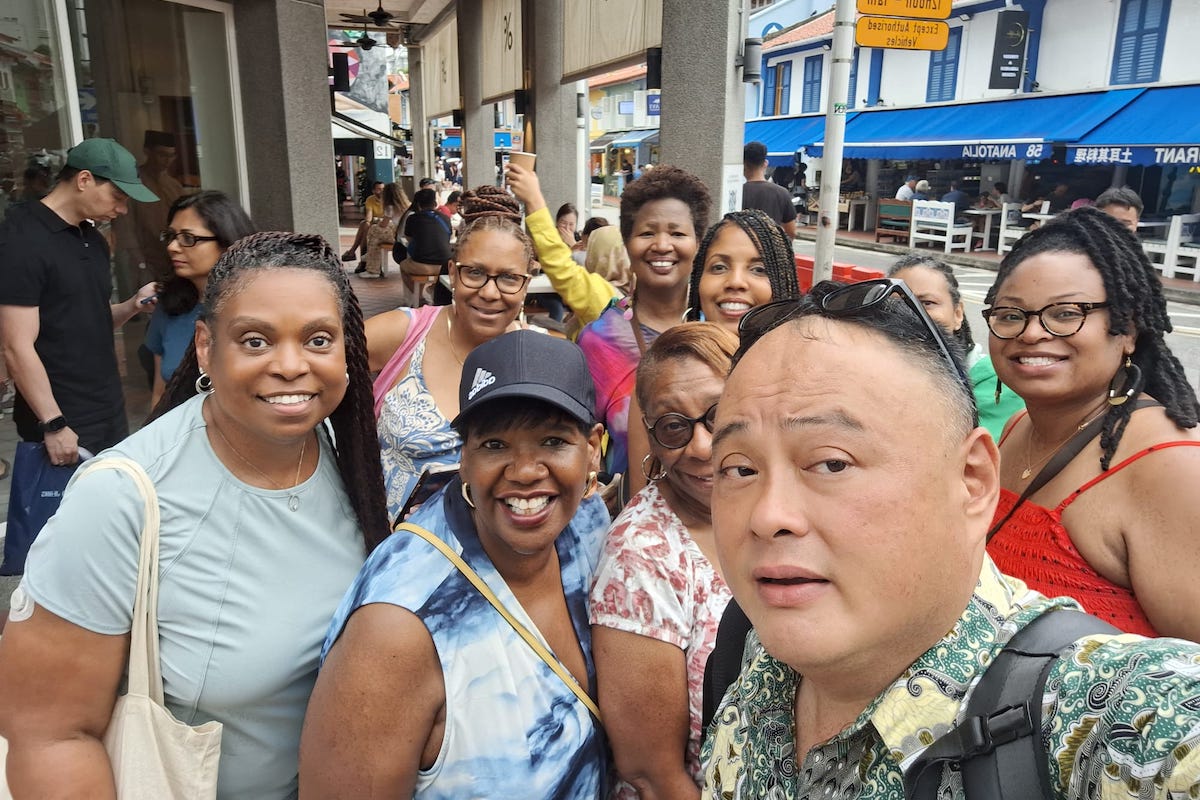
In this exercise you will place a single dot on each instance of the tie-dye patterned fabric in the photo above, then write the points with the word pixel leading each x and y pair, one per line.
pixel 513 728
pixel 1121 715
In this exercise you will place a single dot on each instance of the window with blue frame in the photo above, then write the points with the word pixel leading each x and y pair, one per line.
pixel 811 100
pixel 853 80
pixel 1137 56
pixel 777 88
pixel 943 70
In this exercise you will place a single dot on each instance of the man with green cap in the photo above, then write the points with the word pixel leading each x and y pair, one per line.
pixel 56 320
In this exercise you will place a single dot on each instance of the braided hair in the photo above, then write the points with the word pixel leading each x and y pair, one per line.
pixel 490 208
pixel 1135 300
pixel 913 260
pixel 769 240
pixel 354 419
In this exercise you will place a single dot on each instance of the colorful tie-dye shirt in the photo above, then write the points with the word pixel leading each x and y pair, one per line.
pixel 1120 715
pixel 513 728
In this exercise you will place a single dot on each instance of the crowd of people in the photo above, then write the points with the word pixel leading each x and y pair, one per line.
pixel 838 491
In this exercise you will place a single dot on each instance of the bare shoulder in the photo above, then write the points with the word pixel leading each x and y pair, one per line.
pixel 385 332
pixel 1168 466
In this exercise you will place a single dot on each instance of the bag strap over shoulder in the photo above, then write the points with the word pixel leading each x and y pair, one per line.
pixel 145 672
pixel 998 745
pixel 540 649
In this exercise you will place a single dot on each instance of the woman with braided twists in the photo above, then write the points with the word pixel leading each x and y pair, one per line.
pixel 266 517
pixel 1077 319
pixel 419 353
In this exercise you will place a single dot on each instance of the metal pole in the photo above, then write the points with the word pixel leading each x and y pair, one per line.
pixel 835 136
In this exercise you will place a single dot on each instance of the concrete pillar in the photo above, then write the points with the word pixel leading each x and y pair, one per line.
pixel 421 151
pixel 282 60
pixel 552 120
pixel 700 40
pixel 479 158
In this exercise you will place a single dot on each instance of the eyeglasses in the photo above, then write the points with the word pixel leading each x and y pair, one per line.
pixel 1057 319
pixel 506 282
pixel 674 431
pixel 185 239
pixel 849 301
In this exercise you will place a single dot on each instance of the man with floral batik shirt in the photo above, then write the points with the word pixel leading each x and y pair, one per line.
pixel 851 503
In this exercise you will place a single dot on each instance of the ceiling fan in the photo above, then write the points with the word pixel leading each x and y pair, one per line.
pixel 380 17
pixel 365 42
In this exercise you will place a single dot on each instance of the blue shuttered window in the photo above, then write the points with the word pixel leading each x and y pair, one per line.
pixel 853 80
pixel 777 88
pixel 943 70
pixel 768 92
pixel 811 100
pixel 784 84
pixel 1137 55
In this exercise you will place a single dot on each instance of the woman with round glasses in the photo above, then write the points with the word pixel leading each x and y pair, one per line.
pixel 1077 319
pixel 200 227
pixel 419 352
pixel 659 594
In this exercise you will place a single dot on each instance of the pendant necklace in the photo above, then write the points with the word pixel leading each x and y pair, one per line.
pixel 1029 447
pixel 293 499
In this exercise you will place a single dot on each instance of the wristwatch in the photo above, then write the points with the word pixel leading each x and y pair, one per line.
pixel 53 425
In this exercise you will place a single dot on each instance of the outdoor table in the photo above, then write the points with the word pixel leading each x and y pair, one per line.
pixel 1039 217
pixel 987 214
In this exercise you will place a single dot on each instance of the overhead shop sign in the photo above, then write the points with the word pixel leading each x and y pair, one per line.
pixel 908 24
pixel 1135 156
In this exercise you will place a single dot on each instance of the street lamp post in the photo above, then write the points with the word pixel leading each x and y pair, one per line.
pixel 835 134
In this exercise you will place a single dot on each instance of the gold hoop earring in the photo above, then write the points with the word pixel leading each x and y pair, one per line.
pixel 653 474
pixel 1125 384
pixel 593 481
pixel 466 493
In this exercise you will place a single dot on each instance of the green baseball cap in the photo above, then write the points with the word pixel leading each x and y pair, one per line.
pixel 106 159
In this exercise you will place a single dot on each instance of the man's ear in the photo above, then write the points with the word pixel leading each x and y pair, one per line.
pixel 980 479
pixel 203 342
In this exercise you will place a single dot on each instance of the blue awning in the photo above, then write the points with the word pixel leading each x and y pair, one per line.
pixel 1160 126
pixel 633 138
pixel 502 139
pixel 785 135
pixel 1024 127
pixel 452 143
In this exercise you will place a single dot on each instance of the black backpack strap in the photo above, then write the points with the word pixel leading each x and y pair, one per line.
pixel 998 745
pixel 725 661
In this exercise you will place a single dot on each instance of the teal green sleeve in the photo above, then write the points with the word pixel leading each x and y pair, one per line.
pixel 992 414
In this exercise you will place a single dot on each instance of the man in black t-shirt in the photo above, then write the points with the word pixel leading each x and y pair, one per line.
pixel 770 198
pixel 56 321
pixel 428 233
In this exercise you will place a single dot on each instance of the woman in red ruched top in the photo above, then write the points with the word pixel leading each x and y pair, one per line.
pixel 1077 320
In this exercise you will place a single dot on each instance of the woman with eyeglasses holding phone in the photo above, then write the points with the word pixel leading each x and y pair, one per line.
pixel 200 227
pixel 419 352
pixel 659 594
pixel 1077 319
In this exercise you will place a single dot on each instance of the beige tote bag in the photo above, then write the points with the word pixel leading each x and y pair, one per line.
pixel 154 756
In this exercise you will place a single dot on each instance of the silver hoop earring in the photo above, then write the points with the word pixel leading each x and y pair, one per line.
pixel 466 493
pixel 652 474
pixel 204 384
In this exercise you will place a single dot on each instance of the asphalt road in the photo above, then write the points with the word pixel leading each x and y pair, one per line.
pixel 1184 341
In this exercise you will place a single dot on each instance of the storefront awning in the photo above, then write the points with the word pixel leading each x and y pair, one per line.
pixel 785 135
pixel 603 141
pixel 1025 127
pixel 1158 127
pixel 633 138
pixel 452 143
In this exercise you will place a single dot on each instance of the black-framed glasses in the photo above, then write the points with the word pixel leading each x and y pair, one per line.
pixel 1057 319
pixel 185 238
pixel 506 282
pixel 674 431
pixel 849 301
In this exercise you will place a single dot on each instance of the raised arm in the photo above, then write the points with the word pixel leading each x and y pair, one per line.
pixel 377 714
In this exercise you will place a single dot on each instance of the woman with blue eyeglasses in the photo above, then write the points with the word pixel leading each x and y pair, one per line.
pixel 419 352
pixel 659 594
pixel 1077 318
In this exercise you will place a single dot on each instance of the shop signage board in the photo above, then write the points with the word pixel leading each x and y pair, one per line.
pixel 1177 155
pixel 917 9
pixel 901 34
pixel 1008 51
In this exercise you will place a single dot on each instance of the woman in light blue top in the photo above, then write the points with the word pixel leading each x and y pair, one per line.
pixel 266 517
pixel 426 690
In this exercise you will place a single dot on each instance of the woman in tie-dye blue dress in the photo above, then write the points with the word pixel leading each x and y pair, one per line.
pixel 425 690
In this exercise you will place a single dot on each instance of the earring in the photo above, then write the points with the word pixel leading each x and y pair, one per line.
pixel 593 481
pixel 653 474
pixel 1130 383
pixel 999 387
pixel 204 384
pixel 347 377
pixel 466 493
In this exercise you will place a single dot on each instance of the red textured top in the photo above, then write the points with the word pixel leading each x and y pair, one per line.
pixel 1035 547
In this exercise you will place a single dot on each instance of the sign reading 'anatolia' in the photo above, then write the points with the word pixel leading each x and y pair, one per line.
pixel 901 34
pixel 920 9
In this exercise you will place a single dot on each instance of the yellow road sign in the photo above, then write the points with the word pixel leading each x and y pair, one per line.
pixel 919 9
pixel 901 34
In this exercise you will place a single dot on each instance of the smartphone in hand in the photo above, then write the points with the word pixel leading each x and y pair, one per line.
pixel 433 479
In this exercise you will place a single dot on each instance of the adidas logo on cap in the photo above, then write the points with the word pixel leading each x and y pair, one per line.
pixel 481 381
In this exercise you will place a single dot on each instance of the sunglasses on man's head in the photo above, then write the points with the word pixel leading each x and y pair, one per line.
pixel 854 300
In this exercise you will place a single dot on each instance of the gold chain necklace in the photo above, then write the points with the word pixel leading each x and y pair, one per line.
pixel 1029 444
pixel 450 335
pixel 293 499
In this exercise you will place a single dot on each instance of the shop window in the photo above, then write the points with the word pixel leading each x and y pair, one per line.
pixel 853 80
pixel 813 66
pixel 943 70
pixel 777 89
pixel 1137 57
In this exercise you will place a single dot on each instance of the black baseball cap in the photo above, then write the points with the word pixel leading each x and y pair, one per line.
pixel 528 364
